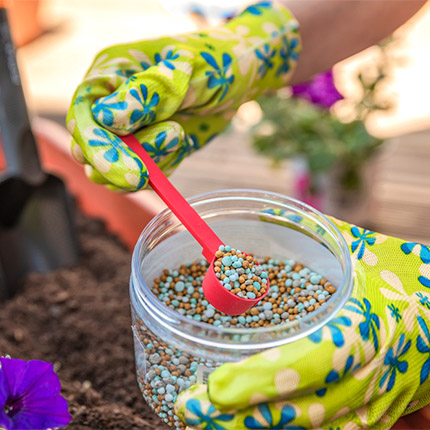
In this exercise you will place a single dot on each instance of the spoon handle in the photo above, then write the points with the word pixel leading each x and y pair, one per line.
pixel 175 201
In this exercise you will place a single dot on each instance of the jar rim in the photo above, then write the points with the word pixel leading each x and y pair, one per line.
pixel 161 310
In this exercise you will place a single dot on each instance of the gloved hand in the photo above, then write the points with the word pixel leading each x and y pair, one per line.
pixel 364 369
pixel 176 93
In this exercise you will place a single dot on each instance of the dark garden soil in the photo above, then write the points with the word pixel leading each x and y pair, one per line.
pixel 79 319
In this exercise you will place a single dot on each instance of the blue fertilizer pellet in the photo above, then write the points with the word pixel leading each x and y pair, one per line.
pixel 179 286
pixel 227 261
pixel 304 272
pixel 234 277
pixel 315 279
pixel 210 313
pixel 170 388
pixel 250 295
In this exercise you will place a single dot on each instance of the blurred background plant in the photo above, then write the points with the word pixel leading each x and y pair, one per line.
pixel 325 134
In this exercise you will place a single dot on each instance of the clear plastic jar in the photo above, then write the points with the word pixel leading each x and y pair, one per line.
pixel 172 351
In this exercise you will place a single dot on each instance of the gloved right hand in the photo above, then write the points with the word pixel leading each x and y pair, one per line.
pixel 176 93
pixel 366 367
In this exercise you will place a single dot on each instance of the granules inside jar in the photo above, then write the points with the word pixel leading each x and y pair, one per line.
pixel 294 292
pixel 165 370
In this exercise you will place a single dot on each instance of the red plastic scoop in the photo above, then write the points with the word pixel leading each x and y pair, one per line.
pixel 218 296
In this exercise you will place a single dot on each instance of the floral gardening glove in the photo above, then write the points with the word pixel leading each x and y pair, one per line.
pixel 364 369
pixel 176 93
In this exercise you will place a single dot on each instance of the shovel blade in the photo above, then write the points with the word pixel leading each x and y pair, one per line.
pixel 41 237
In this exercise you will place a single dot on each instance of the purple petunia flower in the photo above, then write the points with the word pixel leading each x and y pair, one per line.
pixel 30 396
pixel 320 90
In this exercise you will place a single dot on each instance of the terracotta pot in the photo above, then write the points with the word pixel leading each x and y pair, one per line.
pixel 23 19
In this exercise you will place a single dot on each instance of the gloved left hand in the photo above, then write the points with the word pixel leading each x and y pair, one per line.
pixel 176 93
pixel 365 368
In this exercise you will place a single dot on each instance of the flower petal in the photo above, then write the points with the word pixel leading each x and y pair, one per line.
pixel 34 394
pixel 47 413
pixel 5 421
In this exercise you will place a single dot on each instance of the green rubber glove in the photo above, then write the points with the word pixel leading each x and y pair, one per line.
pixel 364 369
pixel 176 93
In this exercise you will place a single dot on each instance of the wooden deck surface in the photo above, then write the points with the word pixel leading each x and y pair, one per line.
pixel 401 203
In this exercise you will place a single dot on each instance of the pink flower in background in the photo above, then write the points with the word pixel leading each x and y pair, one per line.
pixel 320 90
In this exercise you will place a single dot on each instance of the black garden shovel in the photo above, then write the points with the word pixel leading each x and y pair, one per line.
pixel 37 232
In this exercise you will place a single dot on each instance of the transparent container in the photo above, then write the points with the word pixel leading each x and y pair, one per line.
pixel 172 351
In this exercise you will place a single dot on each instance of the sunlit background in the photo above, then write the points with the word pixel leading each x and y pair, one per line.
pixel 58 40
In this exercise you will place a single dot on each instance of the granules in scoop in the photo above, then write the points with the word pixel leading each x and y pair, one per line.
pixel 240 273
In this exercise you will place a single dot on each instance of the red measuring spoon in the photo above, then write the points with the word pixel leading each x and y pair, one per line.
pixel 218 296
